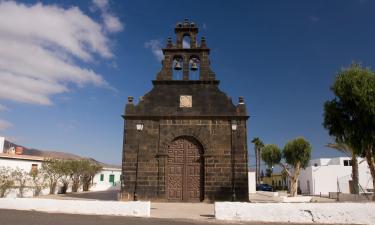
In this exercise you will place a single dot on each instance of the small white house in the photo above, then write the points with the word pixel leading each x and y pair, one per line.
pixel 24 162
pixel 109 178
pixel 326 175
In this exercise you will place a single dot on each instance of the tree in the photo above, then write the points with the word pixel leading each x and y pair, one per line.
pixel 82 173
pixel 350 116
pixel 271 155
pixel 76 169
pixel 38 180
pixel 54 170
pixel 349 151
pixel 258 146
pixel 90 170
pixel 297 154
pixel 284 176
pixel 6 180
pixel 22 179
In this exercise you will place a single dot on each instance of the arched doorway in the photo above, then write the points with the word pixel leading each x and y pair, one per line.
pixel 185 170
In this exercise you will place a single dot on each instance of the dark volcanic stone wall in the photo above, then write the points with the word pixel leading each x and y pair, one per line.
pixel 208 121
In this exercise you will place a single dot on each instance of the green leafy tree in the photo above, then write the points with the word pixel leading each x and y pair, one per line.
pixel 39 181
pixel 90 170
pixel 297 154
pixel 82 173
pixel 22 181
pixel 77 172
pixel 54 170
pixel 6 180
pixel 258 146
pixel 350 116
pixel 271 155
pixel 349 151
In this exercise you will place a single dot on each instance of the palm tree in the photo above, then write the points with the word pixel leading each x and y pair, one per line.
pixel 350 152
pixel 258 146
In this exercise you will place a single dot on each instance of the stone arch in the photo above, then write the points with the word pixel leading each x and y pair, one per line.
pixel 173 135
pixel 177 59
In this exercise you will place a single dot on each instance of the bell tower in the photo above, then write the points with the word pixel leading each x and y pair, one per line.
pixel 194 57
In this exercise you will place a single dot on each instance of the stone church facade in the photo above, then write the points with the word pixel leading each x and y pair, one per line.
pixel 185 141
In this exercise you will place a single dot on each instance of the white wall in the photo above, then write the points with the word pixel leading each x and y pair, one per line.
pixel 2 140
pixel 24 165
pixel 306 213
pixel 131 208
pixel 18 163
pixel 252 182
pixel 105 184
pixel 332 176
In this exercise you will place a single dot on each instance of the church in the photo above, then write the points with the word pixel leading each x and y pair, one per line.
pixel 185 140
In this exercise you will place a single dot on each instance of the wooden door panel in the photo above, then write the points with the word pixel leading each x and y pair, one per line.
pixel 184 169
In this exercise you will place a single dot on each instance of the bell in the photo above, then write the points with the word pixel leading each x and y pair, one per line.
pixel 177 65
pixel 194 66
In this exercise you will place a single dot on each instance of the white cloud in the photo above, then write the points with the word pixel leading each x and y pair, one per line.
pixel 42 50
pixel 5 124
pixel 155 46
pixel 101 4
pixel 111 22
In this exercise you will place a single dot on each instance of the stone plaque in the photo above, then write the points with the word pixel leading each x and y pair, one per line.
pixel 186 101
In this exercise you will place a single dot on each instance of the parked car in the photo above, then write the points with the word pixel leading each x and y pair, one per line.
pixel 264 187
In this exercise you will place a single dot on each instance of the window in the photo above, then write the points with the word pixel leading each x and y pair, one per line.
pixel 101 177
pixel 34 168
pixel 347 162
pixel 315 164
pixel 112 179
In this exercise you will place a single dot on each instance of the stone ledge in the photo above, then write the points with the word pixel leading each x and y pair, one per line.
pixel 328 213
pixel 114 208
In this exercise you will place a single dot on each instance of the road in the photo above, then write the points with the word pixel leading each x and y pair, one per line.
pixel 14 217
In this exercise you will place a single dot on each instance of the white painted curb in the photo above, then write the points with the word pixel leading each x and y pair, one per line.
pixel 140 209
pixel 329 213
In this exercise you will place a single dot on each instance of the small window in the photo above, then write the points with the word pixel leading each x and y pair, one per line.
pixel 101 177
pixel 112 179
pixel 34 168
pixel 347 162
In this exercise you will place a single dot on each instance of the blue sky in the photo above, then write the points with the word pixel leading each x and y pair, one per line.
pixel 281 56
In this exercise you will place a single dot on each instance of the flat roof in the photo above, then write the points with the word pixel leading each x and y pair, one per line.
pixel 21 157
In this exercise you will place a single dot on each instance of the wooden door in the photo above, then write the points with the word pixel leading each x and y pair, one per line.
pixel 184 171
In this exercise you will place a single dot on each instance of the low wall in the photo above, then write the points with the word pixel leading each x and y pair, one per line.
pixel 141 209
pixel 329 213
pixel 268 193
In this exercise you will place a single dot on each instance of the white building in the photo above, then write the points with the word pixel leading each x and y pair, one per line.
pixel 333 175
pixel 251 182
pixel 2 140
pixel 109 178
pixel 26 163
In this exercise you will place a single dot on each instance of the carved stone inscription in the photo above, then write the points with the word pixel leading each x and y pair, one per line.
pixel 186 101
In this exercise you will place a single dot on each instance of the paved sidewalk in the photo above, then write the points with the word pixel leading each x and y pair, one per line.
pixel 196 211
